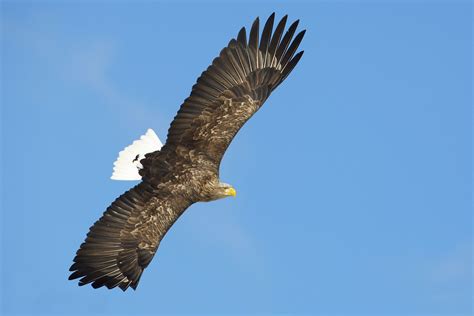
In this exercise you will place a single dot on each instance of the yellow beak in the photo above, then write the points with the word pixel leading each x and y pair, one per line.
pixel 230 192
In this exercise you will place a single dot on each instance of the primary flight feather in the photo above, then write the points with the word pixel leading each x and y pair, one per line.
pixel 122 243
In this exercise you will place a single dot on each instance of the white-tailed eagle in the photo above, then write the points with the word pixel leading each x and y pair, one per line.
pixel 185 170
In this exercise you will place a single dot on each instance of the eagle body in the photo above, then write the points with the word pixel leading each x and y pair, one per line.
pixel 122 243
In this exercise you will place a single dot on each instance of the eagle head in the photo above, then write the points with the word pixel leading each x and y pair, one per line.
pixel 223 190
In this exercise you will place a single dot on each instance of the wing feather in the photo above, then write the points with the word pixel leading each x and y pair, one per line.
pixel 121 244
pixel 266 35
pixel 292 49
pixel 274 43
pixel 242 37
pixel 253 38
pixel 282 47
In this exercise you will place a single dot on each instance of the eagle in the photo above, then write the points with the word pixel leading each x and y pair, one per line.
pixel 185 170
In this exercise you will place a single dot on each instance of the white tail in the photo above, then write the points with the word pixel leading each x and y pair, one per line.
pixel 128 162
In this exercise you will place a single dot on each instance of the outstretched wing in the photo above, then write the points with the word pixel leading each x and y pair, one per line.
pixel 234 87
pixel 121 244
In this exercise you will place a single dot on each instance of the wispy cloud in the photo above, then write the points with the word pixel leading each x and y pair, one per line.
pixel 455 266
pixel 226 232
pixel 85 61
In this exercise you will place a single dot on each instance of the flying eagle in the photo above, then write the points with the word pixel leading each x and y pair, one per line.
pixel 185 170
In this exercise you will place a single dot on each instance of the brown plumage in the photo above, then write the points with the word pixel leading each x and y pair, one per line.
pixel 121 244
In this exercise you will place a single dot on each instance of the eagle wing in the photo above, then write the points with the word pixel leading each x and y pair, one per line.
pixel 234 87
pixel 121 244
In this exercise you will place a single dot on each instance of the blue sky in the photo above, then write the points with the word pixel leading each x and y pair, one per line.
pixel 354 181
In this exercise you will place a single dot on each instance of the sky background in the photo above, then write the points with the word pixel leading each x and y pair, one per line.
pixel 354 180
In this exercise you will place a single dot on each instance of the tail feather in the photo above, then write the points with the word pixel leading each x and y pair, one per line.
pixel 128 164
